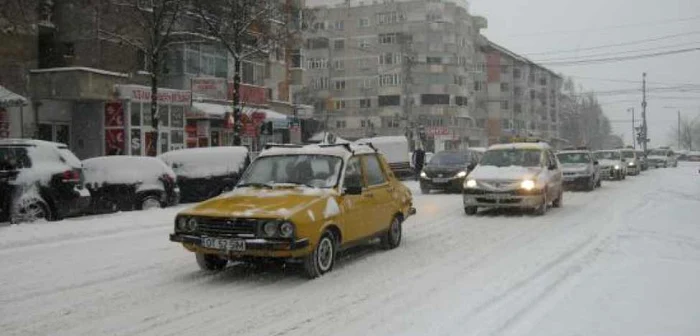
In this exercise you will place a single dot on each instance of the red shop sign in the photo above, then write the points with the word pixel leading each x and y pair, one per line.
pixel 114 141
pixel 114 114
pixel 249 94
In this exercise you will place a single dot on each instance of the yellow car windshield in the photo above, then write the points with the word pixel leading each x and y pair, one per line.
pixel 316 171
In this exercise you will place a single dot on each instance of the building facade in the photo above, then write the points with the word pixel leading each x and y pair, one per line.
pixel 515 97
pixel 388 68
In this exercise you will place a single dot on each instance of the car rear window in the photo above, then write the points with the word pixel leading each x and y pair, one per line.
pixel 69 157
pixel 12 158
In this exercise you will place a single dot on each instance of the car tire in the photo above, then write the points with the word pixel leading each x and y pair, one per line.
pixel 591 184
pixel 559 202
pixel 392 238
pixel 149 202
pixel 471 210
pixel 424 191
pixel 210 262
pixel 31 211
pixel 322 258
pixel 542 209
pixel 599 183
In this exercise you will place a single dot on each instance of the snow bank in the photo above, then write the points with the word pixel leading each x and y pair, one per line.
pixel 145 171
pixel 206 162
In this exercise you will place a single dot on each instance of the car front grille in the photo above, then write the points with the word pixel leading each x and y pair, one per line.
pixel 227 227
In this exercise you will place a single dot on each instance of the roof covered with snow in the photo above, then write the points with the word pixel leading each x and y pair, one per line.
pixel 10 99
pixel 219 110
pixel 339 150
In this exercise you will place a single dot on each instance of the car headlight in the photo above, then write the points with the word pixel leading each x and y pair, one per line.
pixel 527 185
pixel 287 230
pixel 181 224
pixel 617 167
pixel 631 164
pixel 423 174
pixel 269 229
pixel 462 174
pixel 470 184
pixel 192 225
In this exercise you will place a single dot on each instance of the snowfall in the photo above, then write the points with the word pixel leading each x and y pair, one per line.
pixel 622 260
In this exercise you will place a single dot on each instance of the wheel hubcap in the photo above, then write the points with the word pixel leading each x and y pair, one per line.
pixel 325 254
pixel 150 204
pixel 33 212
pixel 395 231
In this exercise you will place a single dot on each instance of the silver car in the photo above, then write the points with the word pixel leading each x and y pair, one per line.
pixel 581 169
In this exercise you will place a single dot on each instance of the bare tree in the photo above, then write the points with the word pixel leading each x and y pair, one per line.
pixel 247 29
pixel 152 30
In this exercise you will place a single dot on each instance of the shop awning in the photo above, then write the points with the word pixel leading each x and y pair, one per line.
pixel 211 110
pixel 10 99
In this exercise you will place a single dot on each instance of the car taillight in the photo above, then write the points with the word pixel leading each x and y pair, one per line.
pixel 71 176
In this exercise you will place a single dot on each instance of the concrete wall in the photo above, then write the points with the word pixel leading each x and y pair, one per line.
pixel 88 136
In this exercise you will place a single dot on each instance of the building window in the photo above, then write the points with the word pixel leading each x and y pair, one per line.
pixel 435 99
pixel 387 38
pixel 339 44
pixel 339 25
pixel 319 83
pixel 505 87
pixel 478 86
pixel 481 123
pixel 339 64
pixel 394 100
pixel 433 60
pixel 505 123
pixel 341 124
pixel 389 59
pixel 364 43
pixel 390 18
pixel 461 101
pixel 317 43
pixel 516 73
pixel 460 80
pixel 365 83
pixel 339 85
pixel 365 103
pixel 364 63
pixel 504 105
pixel 533 94
pixel 317 63
pixel 364 22
pixel 517 108
pixel 504 69
pixel 390 80
pixel 339 104
pixel 320 25
pixel 543 81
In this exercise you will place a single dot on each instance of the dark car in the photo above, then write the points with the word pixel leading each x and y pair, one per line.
pixel 203 173
pixel 39 180
pixel 447 170
pixel 124 183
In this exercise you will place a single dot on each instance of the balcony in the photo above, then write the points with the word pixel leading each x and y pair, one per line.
pixel 75 83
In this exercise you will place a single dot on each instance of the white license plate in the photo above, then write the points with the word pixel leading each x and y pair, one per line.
pixel 236 245
pixel 441 180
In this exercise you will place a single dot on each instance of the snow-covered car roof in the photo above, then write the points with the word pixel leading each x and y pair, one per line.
pixel 478 149
pixel 521 145
pixel 336 150
pixel 206 161
pixel 608 150
pixel 31 142
pixel 121 169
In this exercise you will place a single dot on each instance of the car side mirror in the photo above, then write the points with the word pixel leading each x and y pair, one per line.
pixel 353 185
pixel 595 162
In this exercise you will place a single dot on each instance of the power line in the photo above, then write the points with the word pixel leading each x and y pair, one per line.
pixel 574 58
pixel 616 80
pixel 606 28
pixel 604 46
pixel 620 59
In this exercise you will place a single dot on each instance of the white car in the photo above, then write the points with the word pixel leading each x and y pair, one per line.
pixel 631 161
pixel 517 175
pixel 612 166
pixel 662 157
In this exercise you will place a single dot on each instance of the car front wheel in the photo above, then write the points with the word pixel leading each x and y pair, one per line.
pixel 322 258
pixel 542 209
pixel 31 211
pixel 557 203
pixel 150 202
pixel 471 210
pixel 392 238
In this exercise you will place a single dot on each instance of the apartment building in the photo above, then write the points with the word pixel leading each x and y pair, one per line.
pixel 89 86
pixel 515 97
pixel 383 67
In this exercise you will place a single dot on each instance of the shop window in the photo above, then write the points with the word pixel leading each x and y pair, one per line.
pixel 136 142
pixel 177 116
pixel 147 117
pixel 177 138
pixel 56 132
pixel 135 114
pixel 163 115
pixel 164 143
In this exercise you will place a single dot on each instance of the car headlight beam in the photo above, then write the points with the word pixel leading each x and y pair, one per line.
pixel 617 167
pixel 470 184
pixel 527 185
pixel 461 174
pixel 423 174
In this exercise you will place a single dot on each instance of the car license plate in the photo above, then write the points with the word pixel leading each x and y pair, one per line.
pixel 440 180
pixel 237 245
pixel 568 179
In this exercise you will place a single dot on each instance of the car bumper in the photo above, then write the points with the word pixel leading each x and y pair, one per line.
pixel 253 247
pixel 77 204
pixel 502 201
pixel 577 181
pixel 447 184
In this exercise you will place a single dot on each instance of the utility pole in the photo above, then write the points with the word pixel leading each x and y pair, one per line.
pixel 331 86
pixel 634 130
pixel 645 135
pixel 407 63
pixel 679 130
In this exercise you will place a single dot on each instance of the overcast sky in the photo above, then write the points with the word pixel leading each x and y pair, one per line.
pixel 541 29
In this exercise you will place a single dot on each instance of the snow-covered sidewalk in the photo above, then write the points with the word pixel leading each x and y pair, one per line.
pixel 623 260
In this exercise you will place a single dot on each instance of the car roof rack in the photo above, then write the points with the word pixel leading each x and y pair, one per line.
pixel 344 145
pixel 276 145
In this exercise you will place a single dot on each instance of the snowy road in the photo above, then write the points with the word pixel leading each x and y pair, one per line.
pixel 623 260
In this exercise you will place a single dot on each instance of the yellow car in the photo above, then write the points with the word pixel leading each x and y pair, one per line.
pixel 299 204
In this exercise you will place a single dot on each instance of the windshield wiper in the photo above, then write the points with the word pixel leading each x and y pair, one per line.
pixel 254 184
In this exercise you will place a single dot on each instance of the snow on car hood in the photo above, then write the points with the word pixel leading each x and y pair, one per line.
pixel 574 167
pixel 657 157
pixel 504 173
pixel 608 163
pixel 267 203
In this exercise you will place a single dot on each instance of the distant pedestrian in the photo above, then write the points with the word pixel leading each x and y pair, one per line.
pixel 418 161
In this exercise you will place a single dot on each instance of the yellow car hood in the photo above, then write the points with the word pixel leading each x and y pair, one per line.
pixel 261 203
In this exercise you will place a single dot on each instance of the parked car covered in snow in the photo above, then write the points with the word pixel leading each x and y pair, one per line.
pixel 203 173
pixel 124 183
pixel 516 175
pixel 395 150
pixel 299 203
pixel 39 180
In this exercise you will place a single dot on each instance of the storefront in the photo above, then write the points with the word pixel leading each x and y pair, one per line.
pixel 11 113
pixel 128 120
